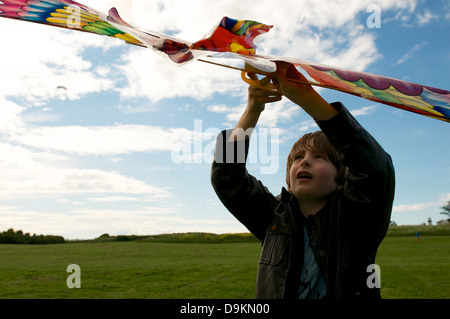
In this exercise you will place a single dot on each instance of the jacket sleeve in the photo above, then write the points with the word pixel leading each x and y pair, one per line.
pixel 369 179
pixel 241 193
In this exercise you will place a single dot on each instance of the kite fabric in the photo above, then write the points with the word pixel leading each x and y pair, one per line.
pixel 231 44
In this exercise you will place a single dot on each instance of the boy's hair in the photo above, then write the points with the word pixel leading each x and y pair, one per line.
pixel 316 142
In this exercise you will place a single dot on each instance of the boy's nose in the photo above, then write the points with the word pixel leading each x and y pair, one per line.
pixel 305 161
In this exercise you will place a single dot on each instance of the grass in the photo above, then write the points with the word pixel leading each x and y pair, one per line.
pixel 146 269
pixel 130 270
pixel 424 230
pixel 411 269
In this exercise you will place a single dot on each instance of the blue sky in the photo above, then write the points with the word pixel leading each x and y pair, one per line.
pixel 127 148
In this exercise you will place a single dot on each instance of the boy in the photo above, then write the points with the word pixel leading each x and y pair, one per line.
pixel 321 234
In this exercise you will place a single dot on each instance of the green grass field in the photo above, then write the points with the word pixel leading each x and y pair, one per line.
pixel 411 269
pixel 140 269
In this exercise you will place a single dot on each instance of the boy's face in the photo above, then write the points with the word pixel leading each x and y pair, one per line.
pixel 312 177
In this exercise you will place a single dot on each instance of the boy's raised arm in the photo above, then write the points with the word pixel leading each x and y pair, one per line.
pixel 241 193
pixel 257 99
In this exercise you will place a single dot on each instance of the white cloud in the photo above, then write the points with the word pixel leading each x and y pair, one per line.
pixel 420 206
pixel 412 207
pixel 444 198
pixel 307 125
pixel 48 57
pixel 222 108
pixel 425 18
pixel 276 113
pixel 150 198
pixel 88 224
pixel 10 115
pixel 156 78
pixel 272 116
pixel 115 199
pixel 410 53
pixel 364 110
pixel 28 173
pixel 82 140
pixel 98 140
pixel 44 181
pixel 17 157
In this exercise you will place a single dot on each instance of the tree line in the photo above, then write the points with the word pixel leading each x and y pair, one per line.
pixel 18 237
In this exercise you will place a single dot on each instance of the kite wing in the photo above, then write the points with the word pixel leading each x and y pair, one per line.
pixel 231 44
pixel 66 14
pixel 413 97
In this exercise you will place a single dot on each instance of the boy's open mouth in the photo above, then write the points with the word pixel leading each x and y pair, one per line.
pixel 304 175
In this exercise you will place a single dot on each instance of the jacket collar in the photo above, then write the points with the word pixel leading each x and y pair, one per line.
pixel 285 195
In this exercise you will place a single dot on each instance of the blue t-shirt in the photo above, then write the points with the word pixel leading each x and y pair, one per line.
pixel 312 283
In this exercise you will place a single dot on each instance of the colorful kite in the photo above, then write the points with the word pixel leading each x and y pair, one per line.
pixel 230 44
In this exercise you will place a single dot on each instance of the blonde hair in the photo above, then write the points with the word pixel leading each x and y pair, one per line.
pixel 319 143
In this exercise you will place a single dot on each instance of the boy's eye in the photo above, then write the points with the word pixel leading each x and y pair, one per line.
pixel 312 155
pixel 323 157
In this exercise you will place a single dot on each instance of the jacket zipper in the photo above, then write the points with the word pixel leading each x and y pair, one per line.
pixel 292 251
pixel 339 218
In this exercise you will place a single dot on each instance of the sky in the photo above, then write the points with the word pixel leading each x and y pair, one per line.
pixel 126 147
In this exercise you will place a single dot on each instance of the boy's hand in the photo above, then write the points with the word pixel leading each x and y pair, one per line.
pixel 301 94
pixel 257 98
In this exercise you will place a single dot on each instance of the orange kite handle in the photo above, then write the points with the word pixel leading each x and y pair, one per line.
pixel 256 83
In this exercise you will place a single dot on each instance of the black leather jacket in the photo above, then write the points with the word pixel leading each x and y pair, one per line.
pixel 349 228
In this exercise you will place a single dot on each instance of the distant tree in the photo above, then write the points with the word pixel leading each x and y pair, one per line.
pixel 18 237
pixel 446 209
